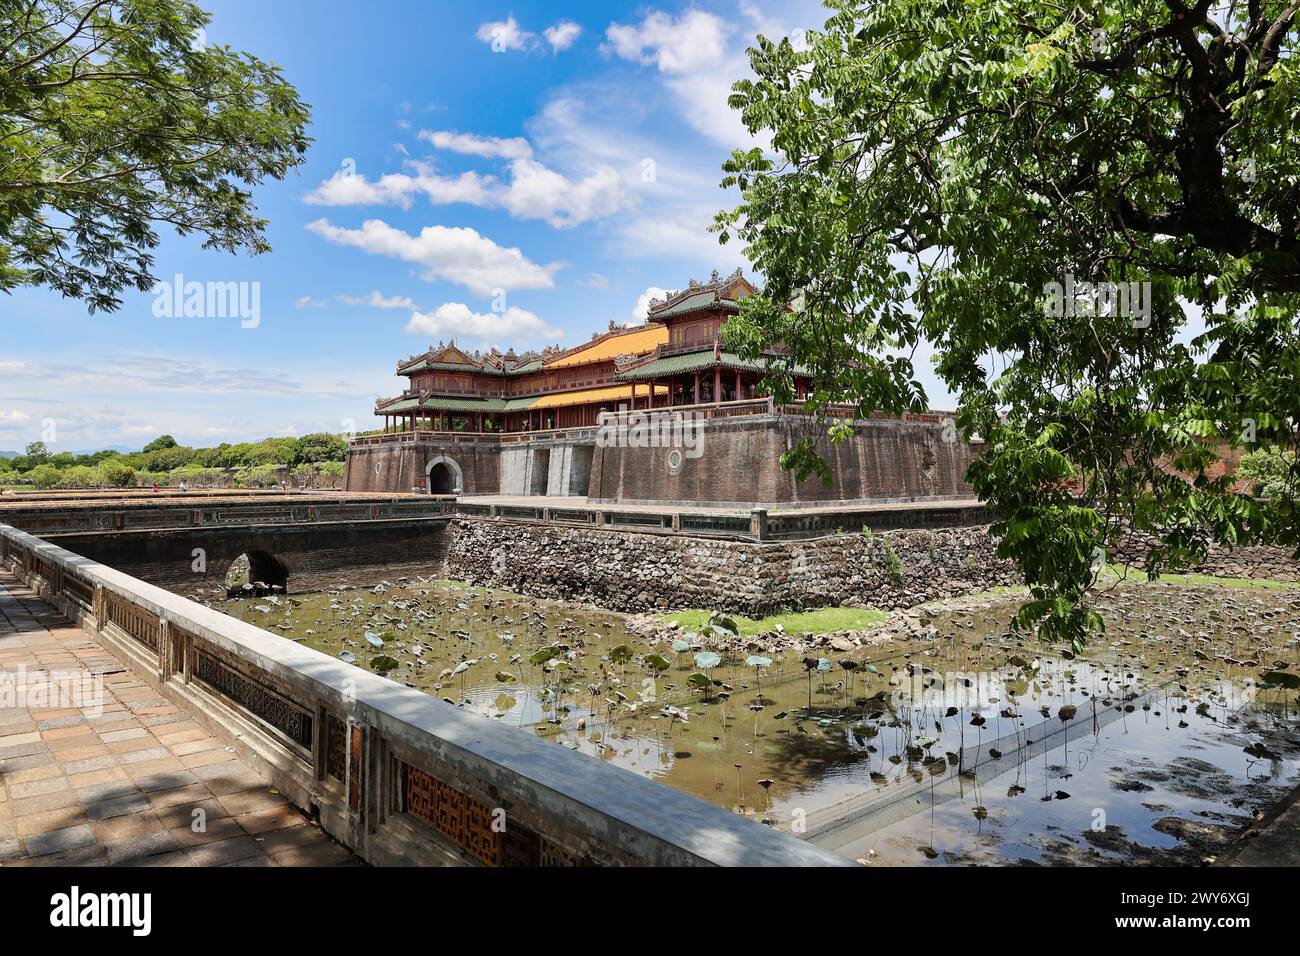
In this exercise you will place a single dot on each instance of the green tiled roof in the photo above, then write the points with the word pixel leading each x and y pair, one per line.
pixel 700 300
pixel 424 365
pixel 445 403
pixel 696 361
pixel 517 404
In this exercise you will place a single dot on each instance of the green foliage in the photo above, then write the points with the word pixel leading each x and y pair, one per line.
pixel 937 166
pixel 159 443
pixel 168 458
pixel 332 473
pixel 272 451
pixel 118 474
pixel 37 453
pixel 82 476
pixel 1272 470
pixel 44 476
pixel 319 447
pixel 118 118
pixel 258 476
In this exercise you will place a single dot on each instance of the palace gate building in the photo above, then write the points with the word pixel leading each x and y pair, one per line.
pixel 657 413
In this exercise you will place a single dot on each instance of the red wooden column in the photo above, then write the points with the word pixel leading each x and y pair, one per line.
pixel 633 406
pixel 717 384
pixel 738 395
pixel 697 389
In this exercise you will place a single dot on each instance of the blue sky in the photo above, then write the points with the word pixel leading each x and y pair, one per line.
pixel 557 160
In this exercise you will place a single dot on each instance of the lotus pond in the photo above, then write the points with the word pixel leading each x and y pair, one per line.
pixel 963 743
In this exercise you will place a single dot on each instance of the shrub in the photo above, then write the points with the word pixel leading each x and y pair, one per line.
pixel 1269 469
pixel 83 476
pixel 117 474
pixel 319 447
pixel 45 476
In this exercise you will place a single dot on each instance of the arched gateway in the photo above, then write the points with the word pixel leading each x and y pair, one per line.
pixel 444 476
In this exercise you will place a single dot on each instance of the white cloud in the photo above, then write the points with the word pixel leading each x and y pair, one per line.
pixel 308 302
pixel 457 320
pixel 397 189
pixel 562 35
pixel 536 192
pixel 505 34
pixel 693 42
pixel 692 53
pixel 378 300
pixel 596 281
pixel 642 307
pixel 515 147
pixel 459 255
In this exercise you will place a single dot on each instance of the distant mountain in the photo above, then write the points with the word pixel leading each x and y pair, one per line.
pixel 10 454
pixel 124 449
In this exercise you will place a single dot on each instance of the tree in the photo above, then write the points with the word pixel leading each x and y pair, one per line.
pixel 45 476
pixel 118 474
pixel 165 459
pixel 160 443
pixel 320 447
pixel 1270 469
pixel 83 476
pixel 272 451
pixel 37 453
pixel 333 472
pixel 955 172
pixel 118 117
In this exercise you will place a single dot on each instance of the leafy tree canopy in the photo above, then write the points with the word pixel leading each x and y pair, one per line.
pixel 116 116
pixel 159 443
pixel 938 165
pixel 320 447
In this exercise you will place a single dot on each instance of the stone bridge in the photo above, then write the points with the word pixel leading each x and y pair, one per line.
pixel 301 542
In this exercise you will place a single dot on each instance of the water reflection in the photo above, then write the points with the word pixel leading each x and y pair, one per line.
pixel 971 745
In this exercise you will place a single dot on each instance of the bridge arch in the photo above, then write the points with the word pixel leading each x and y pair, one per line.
pixel 260 569
pixel 444 476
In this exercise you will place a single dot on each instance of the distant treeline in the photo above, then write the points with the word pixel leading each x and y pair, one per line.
pixel 312 459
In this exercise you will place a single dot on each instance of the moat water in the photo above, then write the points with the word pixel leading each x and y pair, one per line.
pixel 970 744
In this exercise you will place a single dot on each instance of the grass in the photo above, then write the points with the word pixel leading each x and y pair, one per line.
pixel 1120 572
pixel 821 621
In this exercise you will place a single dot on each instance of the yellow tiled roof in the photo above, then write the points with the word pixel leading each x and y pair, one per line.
pixel 630 343
pixel 589 396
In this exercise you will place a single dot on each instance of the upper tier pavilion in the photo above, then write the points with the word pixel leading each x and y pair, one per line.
pixel 675 359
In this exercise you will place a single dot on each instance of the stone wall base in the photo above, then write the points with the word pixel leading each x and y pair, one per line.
pixel 631 572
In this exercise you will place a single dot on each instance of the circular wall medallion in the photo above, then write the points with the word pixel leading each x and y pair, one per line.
pixel 675 460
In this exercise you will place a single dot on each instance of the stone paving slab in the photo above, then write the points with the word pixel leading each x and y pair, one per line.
pixel 122 777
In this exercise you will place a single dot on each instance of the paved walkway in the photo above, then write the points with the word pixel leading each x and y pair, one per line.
pixel 128 779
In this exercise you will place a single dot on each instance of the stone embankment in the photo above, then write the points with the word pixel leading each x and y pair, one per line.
pixel 633 572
